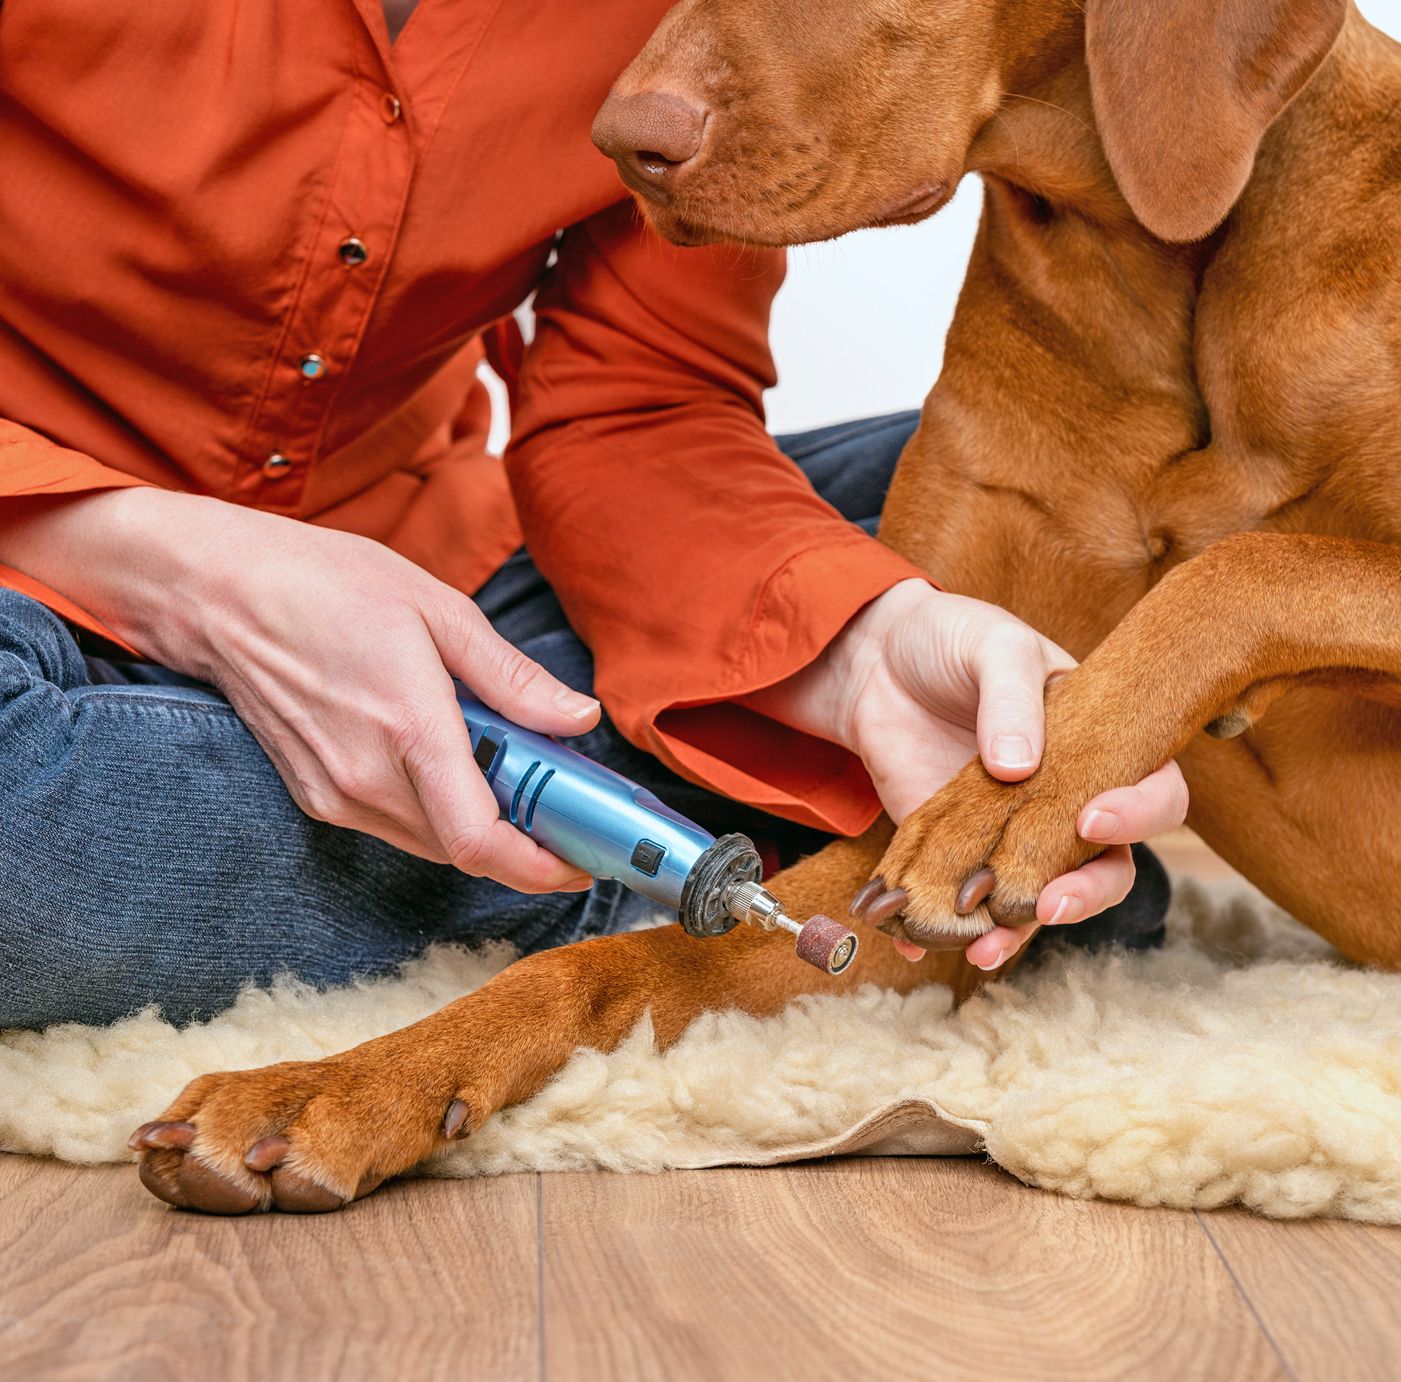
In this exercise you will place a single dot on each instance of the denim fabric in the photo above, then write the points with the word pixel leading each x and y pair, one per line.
pixel 149 853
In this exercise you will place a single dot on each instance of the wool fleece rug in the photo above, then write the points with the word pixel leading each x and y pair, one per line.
pixel 1244 1063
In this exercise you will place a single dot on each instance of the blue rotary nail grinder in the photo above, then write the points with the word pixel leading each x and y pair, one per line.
pixel 599 821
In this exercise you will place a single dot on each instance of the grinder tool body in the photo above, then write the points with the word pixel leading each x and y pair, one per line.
pixel 601 822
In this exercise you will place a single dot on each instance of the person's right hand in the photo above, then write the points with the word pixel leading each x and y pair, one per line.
pixel 337 653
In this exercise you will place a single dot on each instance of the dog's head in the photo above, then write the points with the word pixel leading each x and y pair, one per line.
pixel 785 121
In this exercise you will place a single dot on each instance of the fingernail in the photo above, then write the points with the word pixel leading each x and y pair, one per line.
pixel 1100 825
pixel 987 968
pixel 572 703
pixel 1012 751
pixel 1071 909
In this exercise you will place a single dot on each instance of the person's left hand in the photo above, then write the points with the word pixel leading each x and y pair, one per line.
pixel 917 683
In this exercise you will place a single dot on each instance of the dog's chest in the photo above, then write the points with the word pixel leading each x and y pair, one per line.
pixel 1303 398
pixel 1108 410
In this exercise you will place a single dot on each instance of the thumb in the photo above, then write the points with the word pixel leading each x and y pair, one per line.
pixel 1011 664
pixel 504 677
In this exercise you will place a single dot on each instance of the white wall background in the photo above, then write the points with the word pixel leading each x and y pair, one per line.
pixel 859 326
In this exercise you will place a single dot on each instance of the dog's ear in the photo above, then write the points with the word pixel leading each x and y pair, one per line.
pixel 1184 91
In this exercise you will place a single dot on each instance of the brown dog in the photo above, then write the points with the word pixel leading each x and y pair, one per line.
pixel 1165 435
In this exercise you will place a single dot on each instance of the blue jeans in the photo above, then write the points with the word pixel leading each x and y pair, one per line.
pixel 149 853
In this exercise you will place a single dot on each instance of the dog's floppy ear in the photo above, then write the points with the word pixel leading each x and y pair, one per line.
pixel 1184 91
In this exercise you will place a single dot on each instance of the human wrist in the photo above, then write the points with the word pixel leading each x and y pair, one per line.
pixel 130 557
pixel 823 698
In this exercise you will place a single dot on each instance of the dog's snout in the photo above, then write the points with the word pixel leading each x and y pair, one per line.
pixel 653 136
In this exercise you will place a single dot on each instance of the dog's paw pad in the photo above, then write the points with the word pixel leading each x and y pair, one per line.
pixel 299 1194
pixel 205 1188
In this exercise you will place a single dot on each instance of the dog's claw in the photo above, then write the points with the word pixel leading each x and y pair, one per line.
pixel 266 1153
pixel 866 896
pixel 166 1136
pixel 454 1119
pixel 137 1141
pixel 974 891
pixel 886 906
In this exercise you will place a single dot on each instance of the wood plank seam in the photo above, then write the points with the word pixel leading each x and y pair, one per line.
pixel 1245 1296
pixel 542 1371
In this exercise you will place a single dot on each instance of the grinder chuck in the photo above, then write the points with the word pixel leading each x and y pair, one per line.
pixel 822 942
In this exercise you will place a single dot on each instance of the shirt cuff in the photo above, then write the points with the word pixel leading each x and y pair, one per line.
pixel 741 753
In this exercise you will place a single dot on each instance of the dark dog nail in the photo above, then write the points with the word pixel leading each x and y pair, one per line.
pixel 454 1119
pixel 168 1136
pixel 886 906
pixel 974 891
pixel 866 896
pixel 266 1153
pixel 137 1141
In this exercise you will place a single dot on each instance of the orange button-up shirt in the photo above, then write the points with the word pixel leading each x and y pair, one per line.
pixel 247 249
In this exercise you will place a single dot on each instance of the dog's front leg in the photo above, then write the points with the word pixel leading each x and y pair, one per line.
pixel 1212 647
pixel 315 1135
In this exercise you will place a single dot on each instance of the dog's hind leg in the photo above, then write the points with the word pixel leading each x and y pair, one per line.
pixel 315 1135
pixel 1216 643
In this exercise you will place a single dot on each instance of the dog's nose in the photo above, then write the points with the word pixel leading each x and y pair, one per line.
pixel 653 137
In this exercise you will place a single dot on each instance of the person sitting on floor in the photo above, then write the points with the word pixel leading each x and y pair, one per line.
pixel 255 257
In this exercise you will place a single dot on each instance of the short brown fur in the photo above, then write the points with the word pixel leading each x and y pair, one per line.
pixel 1165 435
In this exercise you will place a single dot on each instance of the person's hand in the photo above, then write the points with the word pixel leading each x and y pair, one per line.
pixel 336 653
pixel 917 683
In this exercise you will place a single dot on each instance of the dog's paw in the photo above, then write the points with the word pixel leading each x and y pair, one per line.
pixel 304 1136
pixel 975 856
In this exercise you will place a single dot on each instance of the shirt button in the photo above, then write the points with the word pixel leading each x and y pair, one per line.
pixel 311 366
pixel 276 466
pixel 353 252
pixel 390 108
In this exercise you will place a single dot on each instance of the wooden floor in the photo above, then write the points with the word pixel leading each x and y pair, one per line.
pixel 865 1268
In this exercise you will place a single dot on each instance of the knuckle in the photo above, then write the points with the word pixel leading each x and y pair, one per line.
pixel 319 800
pixel 1014 671
pixel 357 783
pixel 457 617
pixel 405 731
pixel 471 851
pixel 1009 641
pixel 518 674
pixel 1181 798
pixel 1119 885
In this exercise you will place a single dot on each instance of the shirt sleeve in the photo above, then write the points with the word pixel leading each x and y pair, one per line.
pixel 689 553
pixel 32 466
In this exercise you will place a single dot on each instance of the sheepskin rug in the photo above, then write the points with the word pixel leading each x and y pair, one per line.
pixel 1242 1064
